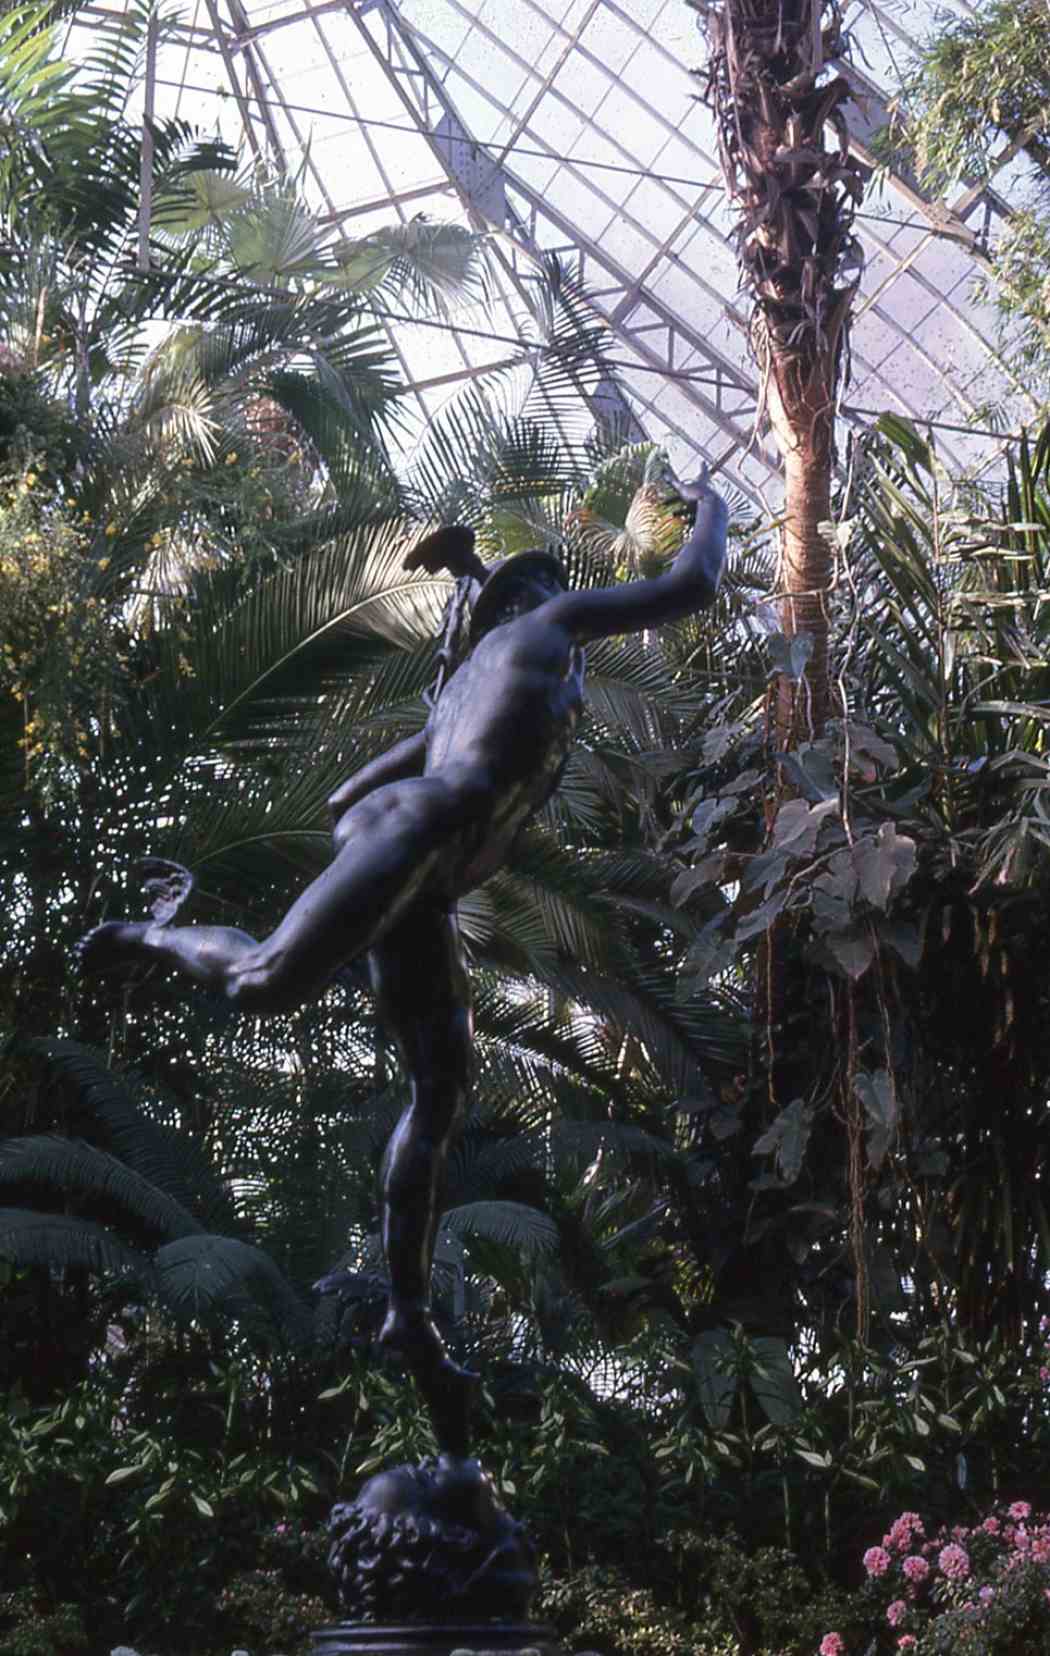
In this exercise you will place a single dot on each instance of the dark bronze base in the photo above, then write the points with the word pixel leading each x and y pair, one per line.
pixel 436 1639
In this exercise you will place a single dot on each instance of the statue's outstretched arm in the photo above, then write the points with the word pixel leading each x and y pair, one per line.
pixel 403 759
pixel 689 585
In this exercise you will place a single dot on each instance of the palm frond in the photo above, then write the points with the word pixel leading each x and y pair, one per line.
pixel 431 268
pixel 199 1275
pixel 58 1243
pixel 167 1160
pixel 76 1168
pixel 510 1224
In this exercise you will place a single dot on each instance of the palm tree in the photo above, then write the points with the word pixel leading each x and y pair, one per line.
pixel 784 148
pixel 774 101
pixel 256 428
pixel 120 1206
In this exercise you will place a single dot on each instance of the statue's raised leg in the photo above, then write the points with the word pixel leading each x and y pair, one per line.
pixel 391 843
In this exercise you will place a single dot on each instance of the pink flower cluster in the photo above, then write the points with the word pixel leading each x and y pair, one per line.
pixel 899 1539
pixel 954 1561
pixel 956 1571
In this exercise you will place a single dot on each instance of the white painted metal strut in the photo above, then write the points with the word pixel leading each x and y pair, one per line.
pixel 498 199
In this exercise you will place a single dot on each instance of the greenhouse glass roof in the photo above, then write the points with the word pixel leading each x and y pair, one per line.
pixel 573 125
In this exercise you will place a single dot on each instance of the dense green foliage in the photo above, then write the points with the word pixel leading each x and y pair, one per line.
pixel 725 1342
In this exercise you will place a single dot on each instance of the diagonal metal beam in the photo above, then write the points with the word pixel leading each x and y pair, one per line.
pixel 146 151
pixel 252 71
pixel 869 115
pixel 227 53
pixel 496 198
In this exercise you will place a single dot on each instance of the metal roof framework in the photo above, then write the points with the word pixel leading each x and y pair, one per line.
pixel 572 126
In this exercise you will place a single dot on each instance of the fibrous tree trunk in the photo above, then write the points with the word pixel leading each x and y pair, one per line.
pixel 787 167
pixel 788 171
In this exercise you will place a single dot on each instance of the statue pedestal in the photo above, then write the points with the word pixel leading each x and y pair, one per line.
pixel 436 1639
pixel 432 1540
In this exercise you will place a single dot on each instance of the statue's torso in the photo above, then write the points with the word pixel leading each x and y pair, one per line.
pixel 508 715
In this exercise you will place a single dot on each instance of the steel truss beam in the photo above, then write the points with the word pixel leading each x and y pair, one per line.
pixel 495 198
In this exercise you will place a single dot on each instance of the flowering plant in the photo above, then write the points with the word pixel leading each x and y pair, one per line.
pixel 978 1590
pixel 258 1606
pixel 59 625
pixel 300 1552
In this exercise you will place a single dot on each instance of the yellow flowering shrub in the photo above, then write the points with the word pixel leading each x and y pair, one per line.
pixel 60 632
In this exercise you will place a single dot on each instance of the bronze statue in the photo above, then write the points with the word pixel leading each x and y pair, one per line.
pixel 413 831
pixel 442 1525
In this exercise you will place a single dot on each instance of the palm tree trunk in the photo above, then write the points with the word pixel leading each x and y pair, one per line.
pixel 776 106
pixel 806 567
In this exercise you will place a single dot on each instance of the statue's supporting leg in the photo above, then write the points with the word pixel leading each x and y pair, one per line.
pixel 423 997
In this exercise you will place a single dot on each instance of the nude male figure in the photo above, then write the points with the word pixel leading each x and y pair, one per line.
pixel 415 830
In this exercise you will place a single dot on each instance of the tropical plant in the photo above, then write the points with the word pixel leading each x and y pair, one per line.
pixel 976 95
pixel 254 429
pixel 784 148
pixel 128 1204
pixel 911 866
pixel 237 526
pixel 83 1485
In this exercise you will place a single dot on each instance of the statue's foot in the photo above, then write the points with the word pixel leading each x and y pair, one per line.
pixel 448 1389
pixel 114 943
pixel 412 1334
pixel 166 885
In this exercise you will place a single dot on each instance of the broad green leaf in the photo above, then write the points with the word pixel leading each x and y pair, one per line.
pixel 813 1458
pixel 864 740
pixel 786 1139
pixel 714 1358
pixel 761 918
pixel 903 938
pixel 798 824
pixel 203 197
pixel 812 771
pixel 853 950
pixel 712 952
pixel 123 1473
pixel 789 656
pixel 773 1380
pixel 884 864
pixel 878 1097
pixel 704 873
pixel 709 814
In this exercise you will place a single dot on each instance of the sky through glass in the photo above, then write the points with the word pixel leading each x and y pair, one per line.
pixel 574 125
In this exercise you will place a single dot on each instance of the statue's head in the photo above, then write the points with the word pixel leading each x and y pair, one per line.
pixel 513 586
